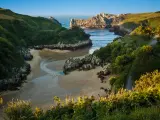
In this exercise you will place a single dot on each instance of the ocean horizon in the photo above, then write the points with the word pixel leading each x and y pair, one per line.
pixel 65 20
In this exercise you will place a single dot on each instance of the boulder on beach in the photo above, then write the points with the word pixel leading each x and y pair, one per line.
pixel 87 63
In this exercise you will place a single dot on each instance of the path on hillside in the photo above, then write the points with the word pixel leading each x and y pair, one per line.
pixel 129 79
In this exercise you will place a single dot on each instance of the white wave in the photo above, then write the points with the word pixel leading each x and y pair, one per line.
pixel 43 66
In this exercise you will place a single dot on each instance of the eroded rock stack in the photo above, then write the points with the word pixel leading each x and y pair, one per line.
pixel 87 63
pixel 100 21
pixel 119 30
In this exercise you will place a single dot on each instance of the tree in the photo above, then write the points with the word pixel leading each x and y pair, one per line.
pixel 6 57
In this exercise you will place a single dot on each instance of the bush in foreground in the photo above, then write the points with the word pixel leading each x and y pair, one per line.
pixel 19 110
pixel 136 105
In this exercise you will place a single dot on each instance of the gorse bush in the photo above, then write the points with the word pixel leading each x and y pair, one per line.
pixel 148 81
pixel 1 100
pixel 144 30
pixel 19 110
pixel 139 103
pixel 158 30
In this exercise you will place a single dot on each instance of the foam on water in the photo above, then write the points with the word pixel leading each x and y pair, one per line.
pixel 100 38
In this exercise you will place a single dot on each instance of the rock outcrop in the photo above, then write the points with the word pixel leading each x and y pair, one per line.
pixel 100 21
pixel 20 74
pixel 119 30
pixel 87 63
pixel 61 46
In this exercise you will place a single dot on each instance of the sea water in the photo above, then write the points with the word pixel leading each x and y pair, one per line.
pixel 99 37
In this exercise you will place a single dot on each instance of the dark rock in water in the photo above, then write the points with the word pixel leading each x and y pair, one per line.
pixel 111 29
pixel 26 54
pixel 118 30
pixel 28 57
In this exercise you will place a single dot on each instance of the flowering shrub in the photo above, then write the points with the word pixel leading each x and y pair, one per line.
pixel 143 30
pixel 148 81
pixel 158 31
pixel 19 110
pixel 1 100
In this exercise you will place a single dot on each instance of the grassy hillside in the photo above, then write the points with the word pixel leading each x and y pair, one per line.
pixel 29 28
pixel 131 55
pixel 133 20
pixel 135 54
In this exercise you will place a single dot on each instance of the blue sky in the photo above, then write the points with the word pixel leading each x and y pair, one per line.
pixel 79 7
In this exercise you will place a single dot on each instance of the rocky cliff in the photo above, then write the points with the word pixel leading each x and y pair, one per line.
pixel 100 21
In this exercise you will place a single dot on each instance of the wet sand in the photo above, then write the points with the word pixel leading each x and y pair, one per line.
pixel 87 81
pixel 62 54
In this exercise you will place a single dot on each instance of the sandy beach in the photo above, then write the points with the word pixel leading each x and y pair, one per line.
pixel 46 80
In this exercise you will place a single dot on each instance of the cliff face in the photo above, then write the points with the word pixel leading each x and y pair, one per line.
pixel 100 21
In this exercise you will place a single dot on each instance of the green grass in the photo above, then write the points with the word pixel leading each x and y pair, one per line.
pixel 154 22
pixel 140 40
pixel 151 113
pixel 136 18
pixel 131 21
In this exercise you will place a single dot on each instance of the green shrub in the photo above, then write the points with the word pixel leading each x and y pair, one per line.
pixel 112 80
pixel 151 113
pixel 146 60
